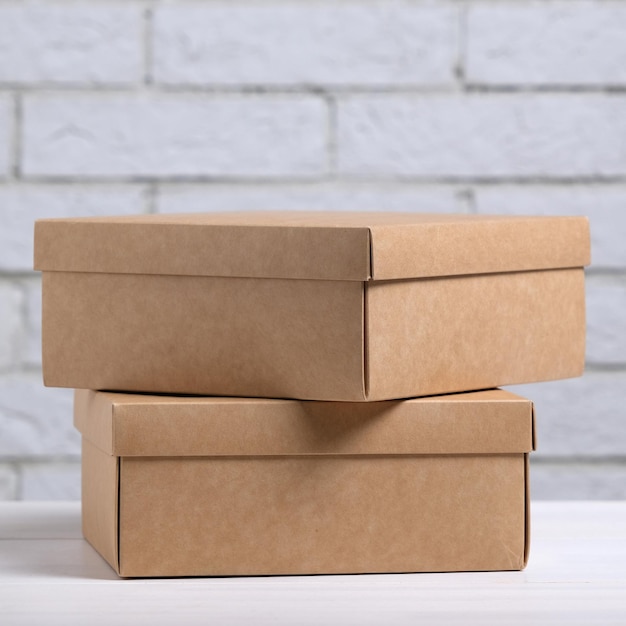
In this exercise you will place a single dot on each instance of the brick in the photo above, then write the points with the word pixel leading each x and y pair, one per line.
pixel 322 196
pixel 35 420
pixel 581 416
pixel 31 346
pixel 603 204
pixel 8 482
pixel 11 302
pixel 371 44
pixel 606 321
pixel 6 125
pixel 51 481
pixel 482 135
pixel 23 204
pixel 174 135
pixel 70 44
pixel 577 481
pixel 541 43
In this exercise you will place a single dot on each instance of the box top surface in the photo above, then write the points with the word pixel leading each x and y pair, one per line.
pixel 485 422
pixel 313 245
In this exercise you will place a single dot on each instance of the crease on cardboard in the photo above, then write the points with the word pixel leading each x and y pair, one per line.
pixel 118 508
pixel 118 488
pixel 526 509
pixel 370 244
pixel 527 487
pixel 366 358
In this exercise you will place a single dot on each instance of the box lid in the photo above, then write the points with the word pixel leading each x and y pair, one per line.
pixel 314 245
pixel 484 422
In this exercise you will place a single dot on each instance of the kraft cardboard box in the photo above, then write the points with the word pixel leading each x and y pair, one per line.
pixel 321 306
pixel 188 486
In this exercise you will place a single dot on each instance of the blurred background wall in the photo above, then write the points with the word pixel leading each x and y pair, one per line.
pixel 443 106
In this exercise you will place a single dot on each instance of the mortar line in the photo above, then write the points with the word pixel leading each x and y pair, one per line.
pixel 19 358
pixel 150 195
pixel 12 275
pixel 468 198
pixel 32 460
pixel 605 368
pixel 259 89
pixel 390 181
pixel 148 45
pixel 331 136
pixel 617 460
pixel 14 467
pixel 16 152
pixel 605 272
pixel 460 69
pixel 19 480
pixel 399 179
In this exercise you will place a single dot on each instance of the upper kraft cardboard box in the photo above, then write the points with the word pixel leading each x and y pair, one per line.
pixel 321 306
pixel 184 486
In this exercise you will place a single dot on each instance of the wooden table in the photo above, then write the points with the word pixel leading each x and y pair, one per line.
pixel 576 575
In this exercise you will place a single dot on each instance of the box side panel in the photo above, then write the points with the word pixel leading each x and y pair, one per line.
pixel 474 332
pixel 246 516
pixel 202 335
pixel 100 474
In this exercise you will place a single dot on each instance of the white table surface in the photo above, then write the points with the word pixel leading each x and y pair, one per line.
pixel 576 575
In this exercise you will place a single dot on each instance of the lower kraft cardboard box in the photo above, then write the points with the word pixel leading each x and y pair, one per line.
pixel 189 486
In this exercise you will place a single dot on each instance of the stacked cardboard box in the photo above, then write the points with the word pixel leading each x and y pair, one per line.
pixel 331 363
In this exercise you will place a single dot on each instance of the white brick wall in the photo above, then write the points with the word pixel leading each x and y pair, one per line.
pixel 366 44
pixel 22 204
pixel 331 196
pixel 540 43
pixel 45 481
pixel 103 135
pixel 11 307
pixel 35 420
pixel 606 325
pixel 8 482
pixel 604 204
pixel 577 481
pixel 482 136
pixel 30 356
pixel 581 418
pixel 97 44
pixel 6 135
pixel 477 106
